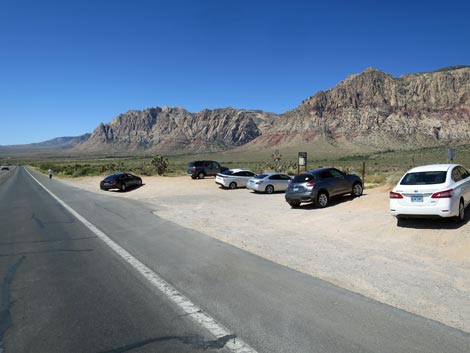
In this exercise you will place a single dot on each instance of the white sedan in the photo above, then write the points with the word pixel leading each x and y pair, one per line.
pixel 437 190
pixel 234 178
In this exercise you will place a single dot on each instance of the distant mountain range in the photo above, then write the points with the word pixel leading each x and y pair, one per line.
pixel 368 110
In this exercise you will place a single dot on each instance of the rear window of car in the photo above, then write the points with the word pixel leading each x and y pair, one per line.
pixel 195 164
pixel 260 176
pixel 227 172
pixel 424 178
pixel 302 178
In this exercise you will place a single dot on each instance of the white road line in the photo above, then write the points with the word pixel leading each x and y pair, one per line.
pixel 236 345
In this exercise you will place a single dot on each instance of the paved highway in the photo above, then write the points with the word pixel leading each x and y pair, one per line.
pixel 65 290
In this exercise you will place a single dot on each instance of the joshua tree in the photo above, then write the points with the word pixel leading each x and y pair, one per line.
pixel 160 163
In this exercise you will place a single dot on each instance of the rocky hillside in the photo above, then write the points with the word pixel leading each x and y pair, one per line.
pixel 378 110
pixel 369 110
pixel 173 130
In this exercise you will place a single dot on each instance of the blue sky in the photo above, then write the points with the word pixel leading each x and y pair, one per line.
pixel 66 66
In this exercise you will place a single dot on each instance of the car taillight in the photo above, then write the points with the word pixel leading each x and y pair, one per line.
pixel 310 183
pixel 395 195
pixel 447 194
pixel 288 184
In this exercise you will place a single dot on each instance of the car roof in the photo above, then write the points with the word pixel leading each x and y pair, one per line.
pixel 432 168
pixel 235 170
pixel 272 173
pixel 319 170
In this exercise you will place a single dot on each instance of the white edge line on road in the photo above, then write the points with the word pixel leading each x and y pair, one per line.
pixel 236 344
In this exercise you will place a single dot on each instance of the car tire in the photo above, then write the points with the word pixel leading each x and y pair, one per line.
pixel 294 204
pixel 200 175
pixel 233 185
pixel 357 190
pixel 269 189
pixel 123 187
pixel 461 216
pixel 322 199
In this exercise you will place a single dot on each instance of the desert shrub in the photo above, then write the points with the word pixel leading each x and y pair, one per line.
pixel 160 164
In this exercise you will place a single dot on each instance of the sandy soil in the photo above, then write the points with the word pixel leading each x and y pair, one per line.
pixel 419 266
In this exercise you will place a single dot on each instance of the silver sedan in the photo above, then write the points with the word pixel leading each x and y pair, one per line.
pixel 268 182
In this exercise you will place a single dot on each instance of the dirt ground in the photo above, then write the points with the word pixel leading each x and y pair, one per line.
pixel 421 266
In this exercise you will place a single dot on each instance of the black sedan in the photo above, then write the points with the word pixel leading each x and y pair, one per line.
pixel 319 185
pixel 121 181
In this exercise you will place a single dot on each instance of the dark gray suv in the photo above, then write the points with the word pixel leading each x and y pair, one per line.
pixel 201 169
pixel 319 185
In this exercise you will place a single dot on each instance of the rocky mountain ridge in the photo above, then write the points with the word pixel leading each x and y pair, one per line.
pixel 376 109
pixel 177 130
pixel 371 109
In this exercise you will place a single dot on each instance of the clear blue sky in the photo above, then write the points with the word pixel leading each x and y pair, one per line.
pixel 66 66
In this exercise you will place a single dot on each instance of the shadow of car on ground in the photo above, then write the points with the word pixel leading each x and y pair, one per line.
pixel 433 223
pixel 331 202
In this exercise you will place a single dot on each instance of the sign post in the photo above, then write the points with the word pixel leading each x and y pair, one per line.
pixel 302 161
pixel 451 153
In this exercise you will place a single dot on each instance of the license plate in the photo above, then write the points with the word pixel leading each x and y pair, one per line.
pixel 295 189
pixel 417 198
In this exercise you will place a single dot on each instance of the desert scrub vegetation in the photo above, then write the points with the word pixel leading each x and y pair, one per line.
pixel 381 168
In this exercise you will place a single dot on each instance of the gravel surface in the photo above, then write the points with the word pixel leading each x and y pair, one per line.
pixel 421 266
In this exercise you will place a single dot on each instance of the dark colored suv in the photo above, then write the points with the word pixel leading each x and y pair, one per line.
pixel 319 185
pixel 201 169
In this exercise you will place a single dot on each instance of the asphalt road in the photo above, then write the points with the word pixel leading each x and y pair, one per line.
pixel 64 290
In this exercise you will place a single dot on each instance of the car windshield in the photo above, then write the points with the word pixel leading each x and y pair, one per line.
pixel 424 178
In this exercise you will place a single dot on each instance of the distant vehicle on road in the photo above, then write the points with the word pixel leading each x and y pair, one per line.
pixel 319 185
pixel 268 182
pixel 437 190
pixel 234 178
pixel 5 167
pixel 201 169
pixel 121 181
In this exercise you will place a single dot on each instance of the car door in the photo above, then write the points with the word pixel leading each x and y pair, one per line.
pixel 212 168
pixel 341 183
pixel 283 181
pixel 328 182
pixel 465 184
pixel 244 176
pixel 274 180
pixel 279 181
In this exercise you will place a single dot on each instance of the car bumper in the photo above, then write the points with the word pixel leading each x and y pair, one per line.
pixel 255 187
pixel 108 187
pixel 300 197
pixel 444 208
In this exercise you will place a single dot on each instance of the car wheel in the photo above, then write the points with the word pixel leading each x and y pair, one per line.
pixel 123 187
pixel 322 200
pixel 461 217
pixel 269 189
pixel 233 185
pixel 200 175
pixel 357 190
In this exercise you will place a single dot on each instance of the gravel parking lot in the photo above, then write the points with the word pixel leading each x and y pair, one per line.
pixel 420 266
